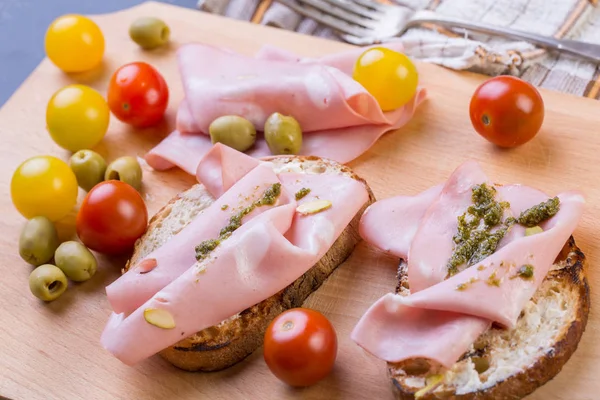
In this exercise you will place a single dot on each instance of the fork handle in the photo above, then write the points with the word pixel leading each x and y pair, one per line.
pixel 589 51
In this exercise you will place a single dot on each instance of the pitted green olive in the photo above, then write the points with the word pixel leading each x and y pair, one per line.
pixel 283 134
pixel 89 168
pixel 76 261
pixel 38 241
pixel 233 131
pixel 126 169
pixel 47 282
pixel 149 32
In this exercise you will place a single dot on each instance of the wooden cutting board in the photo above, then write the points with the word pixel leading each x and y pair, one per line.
pixel 52 351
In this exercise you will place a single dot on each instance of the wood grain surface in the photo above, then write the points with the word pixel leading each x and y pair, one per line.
pixel 52 351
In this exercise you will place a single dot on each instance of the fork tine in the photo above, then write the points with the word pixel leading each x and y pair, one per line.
pixel 330 7
pixel 356 8
pixel 359 40
pixel 372 5
pixel 325 19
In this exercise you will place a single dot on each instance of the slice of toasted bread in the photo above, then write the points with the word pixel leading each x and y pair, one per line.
pixel 509 364
pixel 232 340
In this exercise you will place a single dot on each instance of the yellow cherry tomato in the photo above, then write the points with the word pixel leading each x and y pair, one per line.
pixel 74 43
pixel 44 186
pixel 389 76
pixel 77 117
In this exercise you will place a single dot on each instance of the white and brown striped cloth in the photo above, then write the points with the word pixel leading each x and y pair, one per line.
pixel 573 19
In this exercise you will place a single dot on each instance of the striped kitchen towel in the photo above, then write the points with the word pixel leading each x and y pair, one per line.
pixel 573 19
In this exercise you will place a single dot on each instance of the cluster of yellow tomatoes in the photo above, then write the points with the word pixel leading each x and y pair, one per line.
pixel 77 117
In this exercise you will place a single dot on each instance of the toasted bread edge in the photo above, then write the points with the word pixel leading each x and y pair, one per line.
pixel 545 368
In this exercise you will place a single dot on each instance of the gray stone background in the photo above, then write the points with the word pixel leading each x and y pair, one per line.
pixel 23 25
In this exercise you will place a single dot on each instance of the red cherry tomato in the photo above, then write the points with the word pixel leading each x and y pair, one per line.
pixel 138 95
pixel 507 111
pixel 300 347
pixel 112 217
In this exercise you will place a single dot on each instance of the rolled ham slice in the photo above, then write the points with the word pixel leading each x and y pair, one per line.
pixel 339 118
pixel 437 321
pixel 274 246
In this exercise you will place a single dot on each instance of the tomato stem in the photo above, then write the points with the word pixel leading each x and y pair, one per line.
pixel 288 325
pixel 485 119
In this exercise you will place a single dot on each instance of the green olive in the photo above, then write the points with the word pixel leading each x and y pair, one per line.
pixel 47 282
pixel 149 32
pixel 126 169
pixel 38 241
pixel 89 168
pixel 233 131
pixel 76 261
pixel 283 134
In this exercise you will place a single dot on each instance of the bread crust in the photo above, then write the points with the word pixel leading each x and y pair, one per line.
pixel 571 275
pixel 221 346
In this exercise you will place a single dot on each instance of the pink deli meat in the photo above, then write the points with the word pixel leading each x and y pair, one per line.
pixel 134 288
pixel 437 321
pixel 272 248
pixel 339 118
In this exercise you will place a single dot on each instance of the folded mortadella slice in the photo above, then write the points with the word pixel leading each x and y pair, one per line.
pixel 441 322
pixel 259 259
pixel 493 288
pixel 391 224
pixel 222 167
pixel 319 97
pixel 178 254
pixel 248 267
pixel 339 118
pixel 394 332
pixel 425 267
pixel 183 150
pixel 444 318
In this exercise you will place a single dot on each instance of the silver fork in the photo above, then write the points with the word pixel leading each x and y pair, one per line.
pixel 366 22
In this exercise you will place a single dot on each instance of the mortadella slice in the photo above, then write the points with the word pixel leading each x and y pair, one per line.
pixel 247 268
pixel 259 259
pixel 425 267
pixel 440 321
pixel 215 177
pixel 394 332
pixel 488 284
pixel 391 224
pixel 178 254
pixel 339 118
pixel 183 150
pixel 319 97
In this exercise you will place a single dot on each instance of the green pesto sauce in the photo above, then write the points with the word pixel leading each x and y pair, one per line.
pixel 493 280
pixel 207 246
pixel 539 213
pixel 224 207
pixel 510 221
pixel 302 193
pixel 475 241
pixel 465 285
pixel 269 197
pixel 525 272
